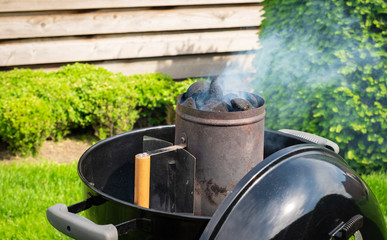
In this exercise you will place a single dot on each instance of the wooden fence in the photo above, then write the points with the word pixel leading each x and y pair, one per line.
pixel 189 38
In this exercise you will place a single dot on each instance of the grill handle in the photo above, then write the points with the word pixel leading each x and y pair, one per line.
pixel 78 227
pixel 313 138
pixel 65 220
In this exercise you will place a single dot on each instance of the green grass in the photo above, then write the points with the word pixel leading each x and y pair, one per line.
pixel 377 181
pixel 27 189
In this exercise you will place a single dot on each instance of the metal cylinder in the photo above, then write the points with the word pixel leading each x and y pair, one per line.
pixel 226 145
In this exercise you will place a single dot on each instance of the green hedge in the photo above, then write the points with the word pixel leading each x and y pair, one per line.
pixel 35 105
pixel 323 68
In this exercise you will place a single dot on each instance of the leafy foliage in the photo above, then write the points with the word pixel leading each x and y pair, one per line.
pixel 323 69
pixel 35 105
pixel 158 98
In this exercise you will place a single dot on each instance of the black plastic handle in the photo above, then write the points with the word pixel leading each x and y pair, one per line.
pixel 345 230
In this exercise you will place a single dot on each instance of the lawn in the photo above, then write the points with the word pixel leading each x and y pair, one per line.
pixel 377 181
pixel 27 189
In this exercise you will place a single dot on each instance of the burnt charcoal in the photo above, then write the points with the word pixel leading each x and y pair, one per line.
pixel 228 97
pixel 196 89
pixel 260 101
pixel 252 99
pixel 209 96
pixel 189 102
pixel 230 108
pixel 183 97
pixel 240 104
pixel 200 102
pixel 215 106
pixel 221 108
pixel 215 90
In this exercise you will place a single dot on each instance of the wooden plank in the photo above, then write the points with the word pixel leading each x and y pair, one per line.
pixel 45 5
pixel 182 67
pixel 178 67
pixel 126 21
pixel 52 50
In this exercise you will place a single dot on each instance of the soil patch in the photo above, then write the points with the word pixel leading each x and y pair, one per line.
pixel 63 151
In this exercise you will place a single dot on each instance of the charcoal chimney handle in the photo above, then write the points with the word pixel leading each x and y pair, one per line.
pixel 313 138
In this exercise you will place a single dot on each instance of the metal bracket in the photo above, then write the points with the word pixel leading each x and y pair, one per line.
pixel 135 224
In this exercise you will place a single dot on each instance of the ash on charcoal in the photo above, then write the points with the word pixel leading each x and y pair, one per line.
pixel 240 104
pixel 189 102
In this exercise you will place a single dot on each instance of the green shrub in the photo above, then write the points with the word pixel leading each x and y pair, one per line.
pixel 157 98
pixel 25 122
pixel 102 99
pixel 54 91
pixel 323 68
pixel 35 105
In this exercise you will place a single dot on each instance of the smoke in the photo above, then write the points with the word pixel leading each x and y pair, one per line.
pixel 295 63
pixel 235 77
pixel 320 78
pixel 315 53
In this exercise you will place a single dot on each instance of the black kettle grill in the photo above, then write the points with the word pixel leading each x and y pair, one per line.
pixel 300 190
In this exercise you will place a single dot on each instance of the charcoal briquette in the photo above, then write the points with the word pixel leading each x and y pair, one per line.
pixel 183 97
pixel 228 97
pixel 215 90
pixel 252 99
pixel 197 88
pixel 215 106
pixel 189 102
pixel 240 104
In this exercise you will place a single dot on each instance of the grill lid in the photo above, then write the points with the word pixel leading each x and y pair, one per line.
pixel 301 192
